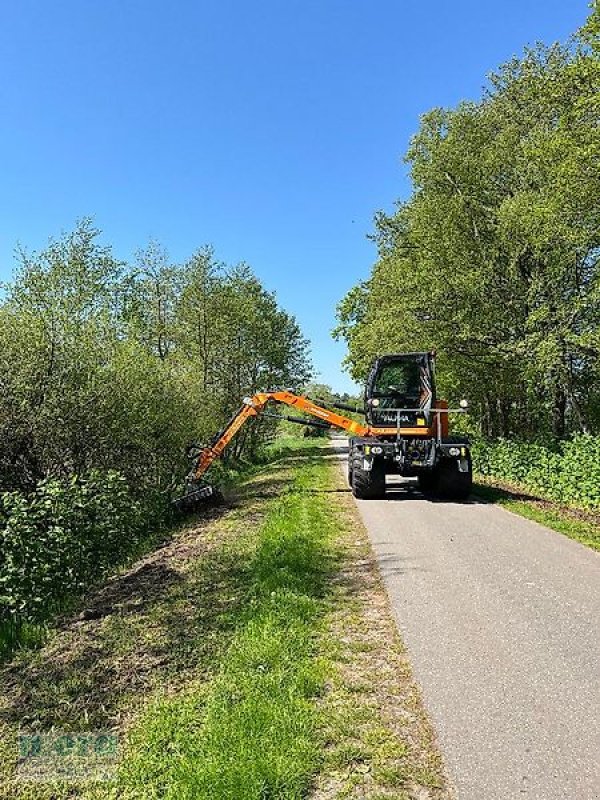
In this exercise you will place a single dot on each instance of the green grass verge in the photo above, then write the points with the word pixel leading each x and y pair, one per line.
pixel 27 634
pixel 252 732
pixel 252 655
pixel 576 525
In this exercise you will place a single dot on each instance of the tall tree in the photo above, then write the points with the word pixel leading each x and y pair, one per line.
pixel 494 258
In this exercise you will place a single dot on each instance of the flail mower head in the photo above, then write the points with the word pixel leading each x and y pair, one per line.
pixel 197 497
pixel 197 494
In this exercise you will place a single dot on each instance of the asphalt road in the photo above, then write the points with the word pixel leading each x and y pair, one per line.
pixel 501 618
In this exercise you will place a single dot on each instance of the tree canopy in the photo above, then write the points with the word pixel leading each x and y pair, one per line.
pixel 114 366
pixel 494 260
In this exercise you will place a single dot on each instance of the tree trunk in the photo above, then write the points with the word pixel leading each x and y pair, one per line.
pixel 559 409
pixel 486 418
pixel 503 414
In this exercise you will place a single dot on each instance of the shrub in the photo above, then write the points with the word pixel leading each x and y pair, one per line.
pixel 568 471
pixel 57 539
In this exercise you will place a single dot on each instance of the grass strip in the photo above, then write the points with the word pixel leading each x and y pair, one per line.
pixel 253 731
pixel 161 626
pixel 379 743
pixel 25 634
pixel 252 655
pixel 580 526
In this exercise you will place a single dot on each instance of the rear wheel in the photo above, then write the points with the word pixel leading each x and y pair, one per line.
pixel 368 484
pixel 450 482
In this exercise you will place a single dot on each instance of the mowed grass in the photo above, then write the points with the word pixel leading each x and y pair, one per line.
pixel 582 526
pixel 252 655
pixel 253 731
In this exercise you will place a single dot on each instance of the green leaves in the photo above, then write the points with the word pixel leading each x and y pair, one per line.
pixel 57 539
pixel 569 474
pixel 495 258
pixel 108 371
pixel 105 365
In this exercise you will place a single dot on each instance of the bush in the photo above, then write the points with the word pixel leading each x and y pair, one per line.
pixel 108 371
pixel 568 471
pixel 60 537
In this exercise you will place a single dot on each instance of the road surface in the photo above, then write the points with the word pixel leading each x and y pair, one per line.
pixel 501 618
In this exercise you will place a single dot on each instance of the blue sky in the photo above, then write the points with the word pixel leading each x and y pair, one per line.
pixel 271 129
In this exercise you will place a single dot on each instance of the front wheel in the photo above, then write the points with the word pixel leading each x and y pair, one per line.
pixel 427 479
pixel 451 483
pixel 368 484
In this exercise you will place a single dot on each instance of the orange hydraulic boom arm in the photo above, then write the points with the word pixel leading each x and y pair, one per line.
pixel 255 405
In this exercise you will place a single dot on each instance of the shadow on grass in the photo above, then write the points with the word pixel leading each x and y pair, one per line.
pixel 166 618
pixel 493 494
pixel 157 631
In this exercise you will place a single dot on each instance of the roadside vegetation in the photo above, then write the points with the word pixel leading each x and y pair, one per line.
pixel 494 261
pixel 252 730
pixel 556 483
pixel 583 526
pixel 108 371
pixel 566 472
pixel 252 655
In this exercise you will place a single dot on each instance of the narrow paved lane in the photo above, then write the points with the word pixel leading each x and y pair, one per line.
pixel 501 618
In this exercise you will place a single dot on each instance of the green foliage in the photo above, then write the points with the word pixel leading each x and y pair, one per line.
pixel 56 540
pixel 323 392
pixel 108 371
pixel 323 395
pixel 110 366
pixel 495 259
pixel 568 473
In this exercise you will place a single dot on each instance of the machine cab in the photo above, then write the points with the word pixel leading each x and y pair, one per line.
pixel 400 390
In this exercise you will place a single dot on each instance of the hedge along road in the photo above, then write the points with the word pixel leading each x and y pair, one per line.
pixel 501 618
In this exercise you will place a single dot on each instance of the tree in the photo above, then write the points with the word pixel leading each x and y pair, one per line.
pixel 493 260
pixel 116 367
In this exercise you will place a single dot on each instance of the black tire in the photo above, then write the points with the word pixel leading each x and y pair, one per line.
pixel 427 479
pixel 368 484
pixel 451 484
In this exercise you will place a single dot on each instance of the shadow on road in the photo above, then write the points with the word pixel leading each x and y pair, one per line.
pixel 397 493
pixel 404 494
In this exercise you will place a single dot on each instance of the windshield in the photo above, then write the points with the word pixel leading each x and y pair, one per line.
pixel 403 383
